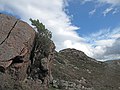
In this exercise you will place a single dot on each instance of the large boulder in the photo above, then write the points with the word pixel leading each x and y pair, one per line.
pixel 16 42
pixel 16 39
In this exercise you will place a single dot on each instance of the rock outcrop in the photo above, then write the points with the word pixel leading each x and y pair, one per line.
pixel 16 41
pixel 20 69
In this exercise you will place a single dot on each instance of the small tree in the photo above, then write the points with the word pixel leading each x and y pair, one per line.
pixel 41 29
pixel 41 50
pixel 42 41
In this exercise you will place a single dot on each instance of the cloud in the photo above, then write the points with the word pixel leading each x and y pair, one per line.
pixel 115 11
pixel 84 1
pixel 114 51
pixel 113 2
pixel 92 12
pixel 114 6
pixel 108 52
pixel 83 46
pixel 108 10
pixel 105 44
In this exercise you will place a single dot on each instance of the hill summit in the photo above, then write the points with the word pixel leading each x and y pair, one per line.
pixel 74 70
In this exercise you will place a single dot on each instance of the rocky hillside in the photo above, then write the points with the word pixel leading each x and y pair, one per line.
pixel 73 70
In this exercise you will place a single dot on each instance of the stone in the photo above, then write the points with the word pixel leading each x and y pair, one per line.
pixel 16 42
pixel 15 35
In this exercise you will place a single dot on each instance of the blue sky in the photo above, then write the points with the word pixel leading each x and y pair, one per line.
pixel 92 26
pixel 88 23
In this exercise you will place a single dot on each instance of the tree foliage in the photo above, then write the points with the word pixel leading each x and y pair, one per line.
pixel 41 28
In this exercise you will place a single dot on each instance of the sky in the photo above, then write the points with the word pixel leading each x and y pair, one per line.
pixel 92 26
